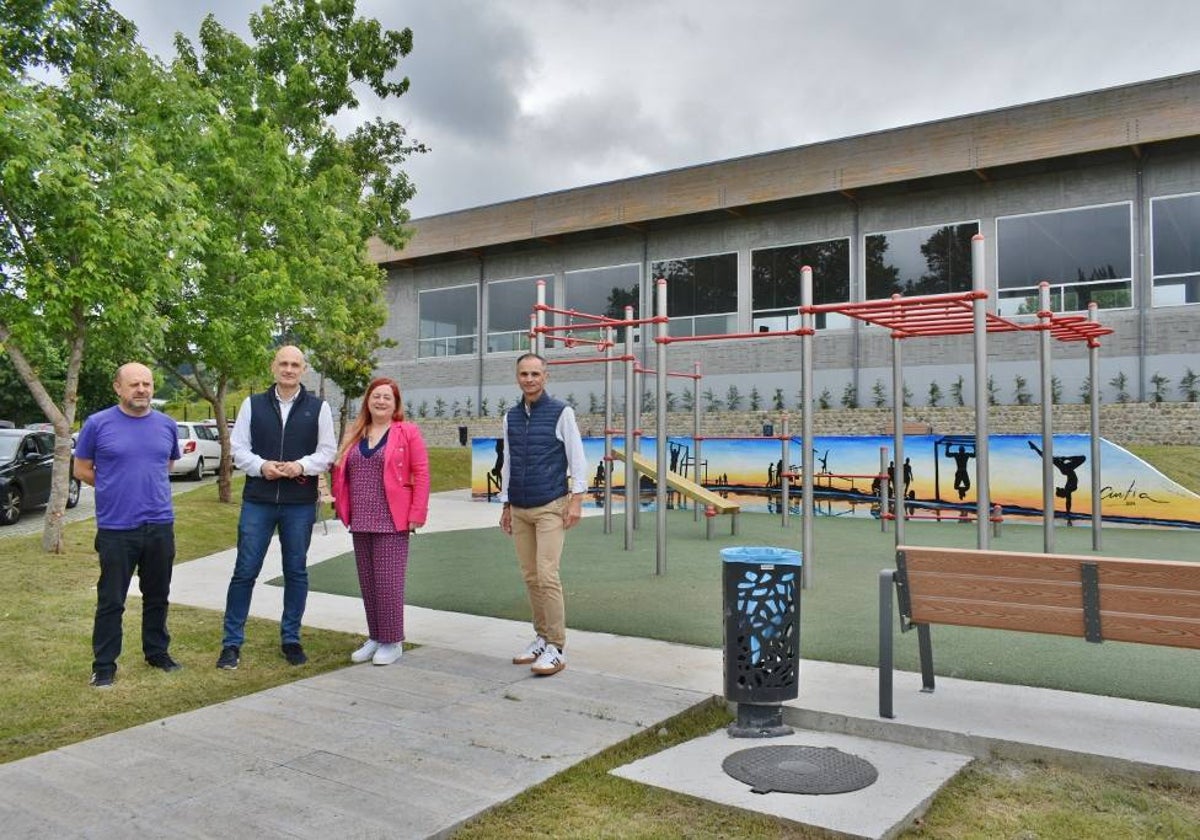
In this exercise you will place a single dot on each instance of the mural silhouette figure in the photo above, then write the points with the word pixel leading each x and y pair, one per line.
pixel 1065 464
pixel 962 478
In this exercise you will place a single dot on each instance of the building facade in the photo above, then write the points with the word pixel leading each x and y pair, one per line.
pixel 1096 194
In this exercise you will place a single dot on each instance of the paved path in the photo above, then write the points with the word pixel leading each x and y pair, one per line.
pixel 414 749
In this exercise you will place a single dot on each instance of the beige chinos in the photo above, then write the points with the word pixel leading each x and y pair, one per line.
pixel 538 535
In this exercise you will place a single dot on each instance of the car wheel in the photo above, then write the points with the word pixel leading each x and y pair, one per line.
pixel 10 505
pixel 198 473
pixel 73 489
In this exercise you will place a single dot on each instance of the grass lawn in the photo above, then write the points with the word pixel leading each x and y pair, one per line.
pixel 45 631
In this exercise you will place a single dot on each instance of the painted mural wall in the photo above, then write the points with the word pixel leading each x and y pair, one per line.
pixel 938 477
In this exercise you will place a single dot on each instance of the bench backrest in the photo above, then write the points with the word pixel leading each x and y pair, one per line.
pixel 1148 601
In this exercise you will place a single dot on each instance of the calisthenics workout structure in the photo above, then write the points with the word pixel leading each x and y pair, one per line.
pixel 921 316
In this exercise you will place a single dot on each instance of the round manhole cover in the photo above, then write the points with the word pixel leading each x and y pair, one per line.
pixel 795 769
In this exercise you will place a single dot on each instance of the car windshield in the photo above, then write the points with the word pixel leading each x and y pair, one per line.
pixel 8 447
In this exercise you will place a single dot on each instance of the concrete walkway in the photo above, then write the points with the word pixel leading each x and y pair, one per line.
pixel 415 749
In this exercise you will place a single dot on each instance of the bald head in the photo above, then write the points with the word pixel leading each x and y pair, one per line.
pixel 287 368
pixel 134 384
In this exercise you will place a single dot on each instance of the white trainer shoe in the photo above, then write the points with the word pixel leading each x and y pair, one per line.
pixel 532 651
pixel 550 662
pixel 365 652
pixel 387 654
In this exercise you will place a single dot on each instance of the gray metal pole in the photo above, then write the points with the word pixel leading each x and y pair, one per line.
pixel 539 337
pixel 806 430
pixel 636 445
pixel 1047 418
pixel 983 504
pixel 608 437
pixel 898 437
pixel 660 434
pixel 1094 424
pixel 631 478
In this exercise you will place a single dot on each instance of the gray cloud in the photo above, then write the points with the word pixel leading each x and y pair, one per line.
pixel 519 97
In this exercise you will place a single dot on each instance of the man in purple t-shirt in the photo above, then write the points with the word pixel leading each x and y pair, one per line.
pixel 126 452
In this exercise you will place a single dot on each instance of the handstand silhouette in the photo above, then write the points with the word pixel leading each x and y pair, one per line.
pixel 962 479
pixel 1066 464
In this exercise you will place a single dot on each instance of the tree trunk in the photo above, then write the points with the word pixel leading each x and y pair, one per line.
pixel 52 532
pixel 225 475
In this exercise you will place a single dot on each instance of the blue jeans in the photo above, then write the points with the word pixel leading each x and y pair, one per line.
pixel 256 525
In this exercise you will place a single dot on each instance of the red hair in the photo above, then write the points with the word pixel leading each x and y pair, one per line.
pixel 358 429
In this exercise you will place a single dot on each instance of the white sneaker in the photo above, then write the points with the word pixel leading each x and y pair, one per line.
pixel 532 651
pixel 365 652
pixel 387 654
pixel 550 662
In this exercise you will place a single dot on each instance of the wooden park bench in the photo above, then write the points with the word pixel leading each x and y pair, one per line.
pixel 1153 602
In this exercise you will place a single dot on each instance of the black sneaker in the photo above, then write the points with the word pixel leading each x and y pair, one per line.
pixel 293 653
pixel 163 662
pixel 228 660
pixel 102 679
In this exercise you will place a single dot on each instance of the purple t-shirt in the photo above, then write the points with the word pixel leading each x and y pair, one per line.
pixel 131 456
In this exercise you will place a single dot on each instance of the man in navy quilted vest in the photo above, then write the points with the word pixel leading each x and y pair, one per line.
pixel 283 439
pixel 542 483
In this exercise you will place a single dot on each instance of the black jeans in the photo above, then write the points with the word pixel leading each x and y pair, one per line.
pixel 150 551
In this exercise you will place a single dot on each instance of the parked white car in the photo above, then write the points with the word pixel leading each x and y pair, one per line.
pixel 199 448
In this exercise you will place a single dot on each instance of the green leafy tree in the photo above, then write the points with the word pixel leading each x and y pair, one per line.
pixel 755 399
pixel 850 396
pixel 733 398
pixel 712 403
pixel 1022 390
pixel 935 395
pixel 672 402
pixel 94 228
pixel 956 390
pixel 1055 390
pixel 1159 386
pixel 1121 383
pixel 878 394
pixel 1189 386
pixel 439 407
pixel 993 392
pixel 825 400
pixel 688 400
pixel 291 203
pixel 777 400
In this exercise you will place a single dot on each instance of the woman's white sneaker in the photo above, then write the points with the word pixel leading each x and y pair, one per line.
pixel 387 654
pixel 365 652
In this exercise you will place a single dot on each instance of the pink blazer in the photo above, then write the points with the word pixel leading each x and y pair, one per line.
pixel 405 478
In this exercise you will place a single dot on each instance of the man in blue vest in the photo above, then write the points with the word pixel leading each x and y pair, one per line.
pixel 282 440
pixel 543 451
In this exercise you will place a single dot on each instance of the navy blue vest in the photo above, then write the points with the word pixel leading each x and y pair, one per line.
pixel 270 439
pixel 537 459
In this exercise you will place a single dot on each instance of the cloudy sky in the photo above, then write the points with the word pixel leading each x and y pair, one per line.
pixel 521 97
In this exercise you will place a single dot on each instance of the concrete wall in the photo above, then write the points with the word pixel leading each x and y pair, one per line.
pixel 1132 423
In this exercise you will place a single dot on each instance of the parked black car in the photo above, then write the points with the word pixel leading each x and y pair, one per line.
pixel 26 464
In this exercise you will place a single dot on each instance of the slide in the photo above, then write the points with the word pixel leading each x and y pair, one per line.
pixel 681 485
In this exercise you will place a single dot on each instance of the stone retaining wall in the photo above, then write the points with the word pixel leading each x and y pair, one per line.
pixel 1131 423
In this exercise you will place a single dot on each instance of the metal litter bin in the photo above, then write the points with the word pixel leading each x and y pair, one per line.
pixel 761 598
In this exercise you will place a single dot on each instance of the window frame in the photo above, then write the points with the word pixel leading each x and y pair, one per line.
pixel 473 336
pixel 1059 289
pixel 822 321
pixel 1154 275
pixel 676 321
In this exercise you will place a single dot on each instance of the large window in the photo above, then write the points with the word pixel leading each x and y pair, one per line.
pixel 602 291
pixel 776 283
pixel 1085 255
pixel 1175 234
pixel 701 294
pixel 930 260
pixel 449 321
pixel 510 303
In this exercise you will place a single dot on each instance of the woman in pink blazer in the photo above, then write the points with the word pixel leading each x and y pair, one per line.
pixel 381 492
